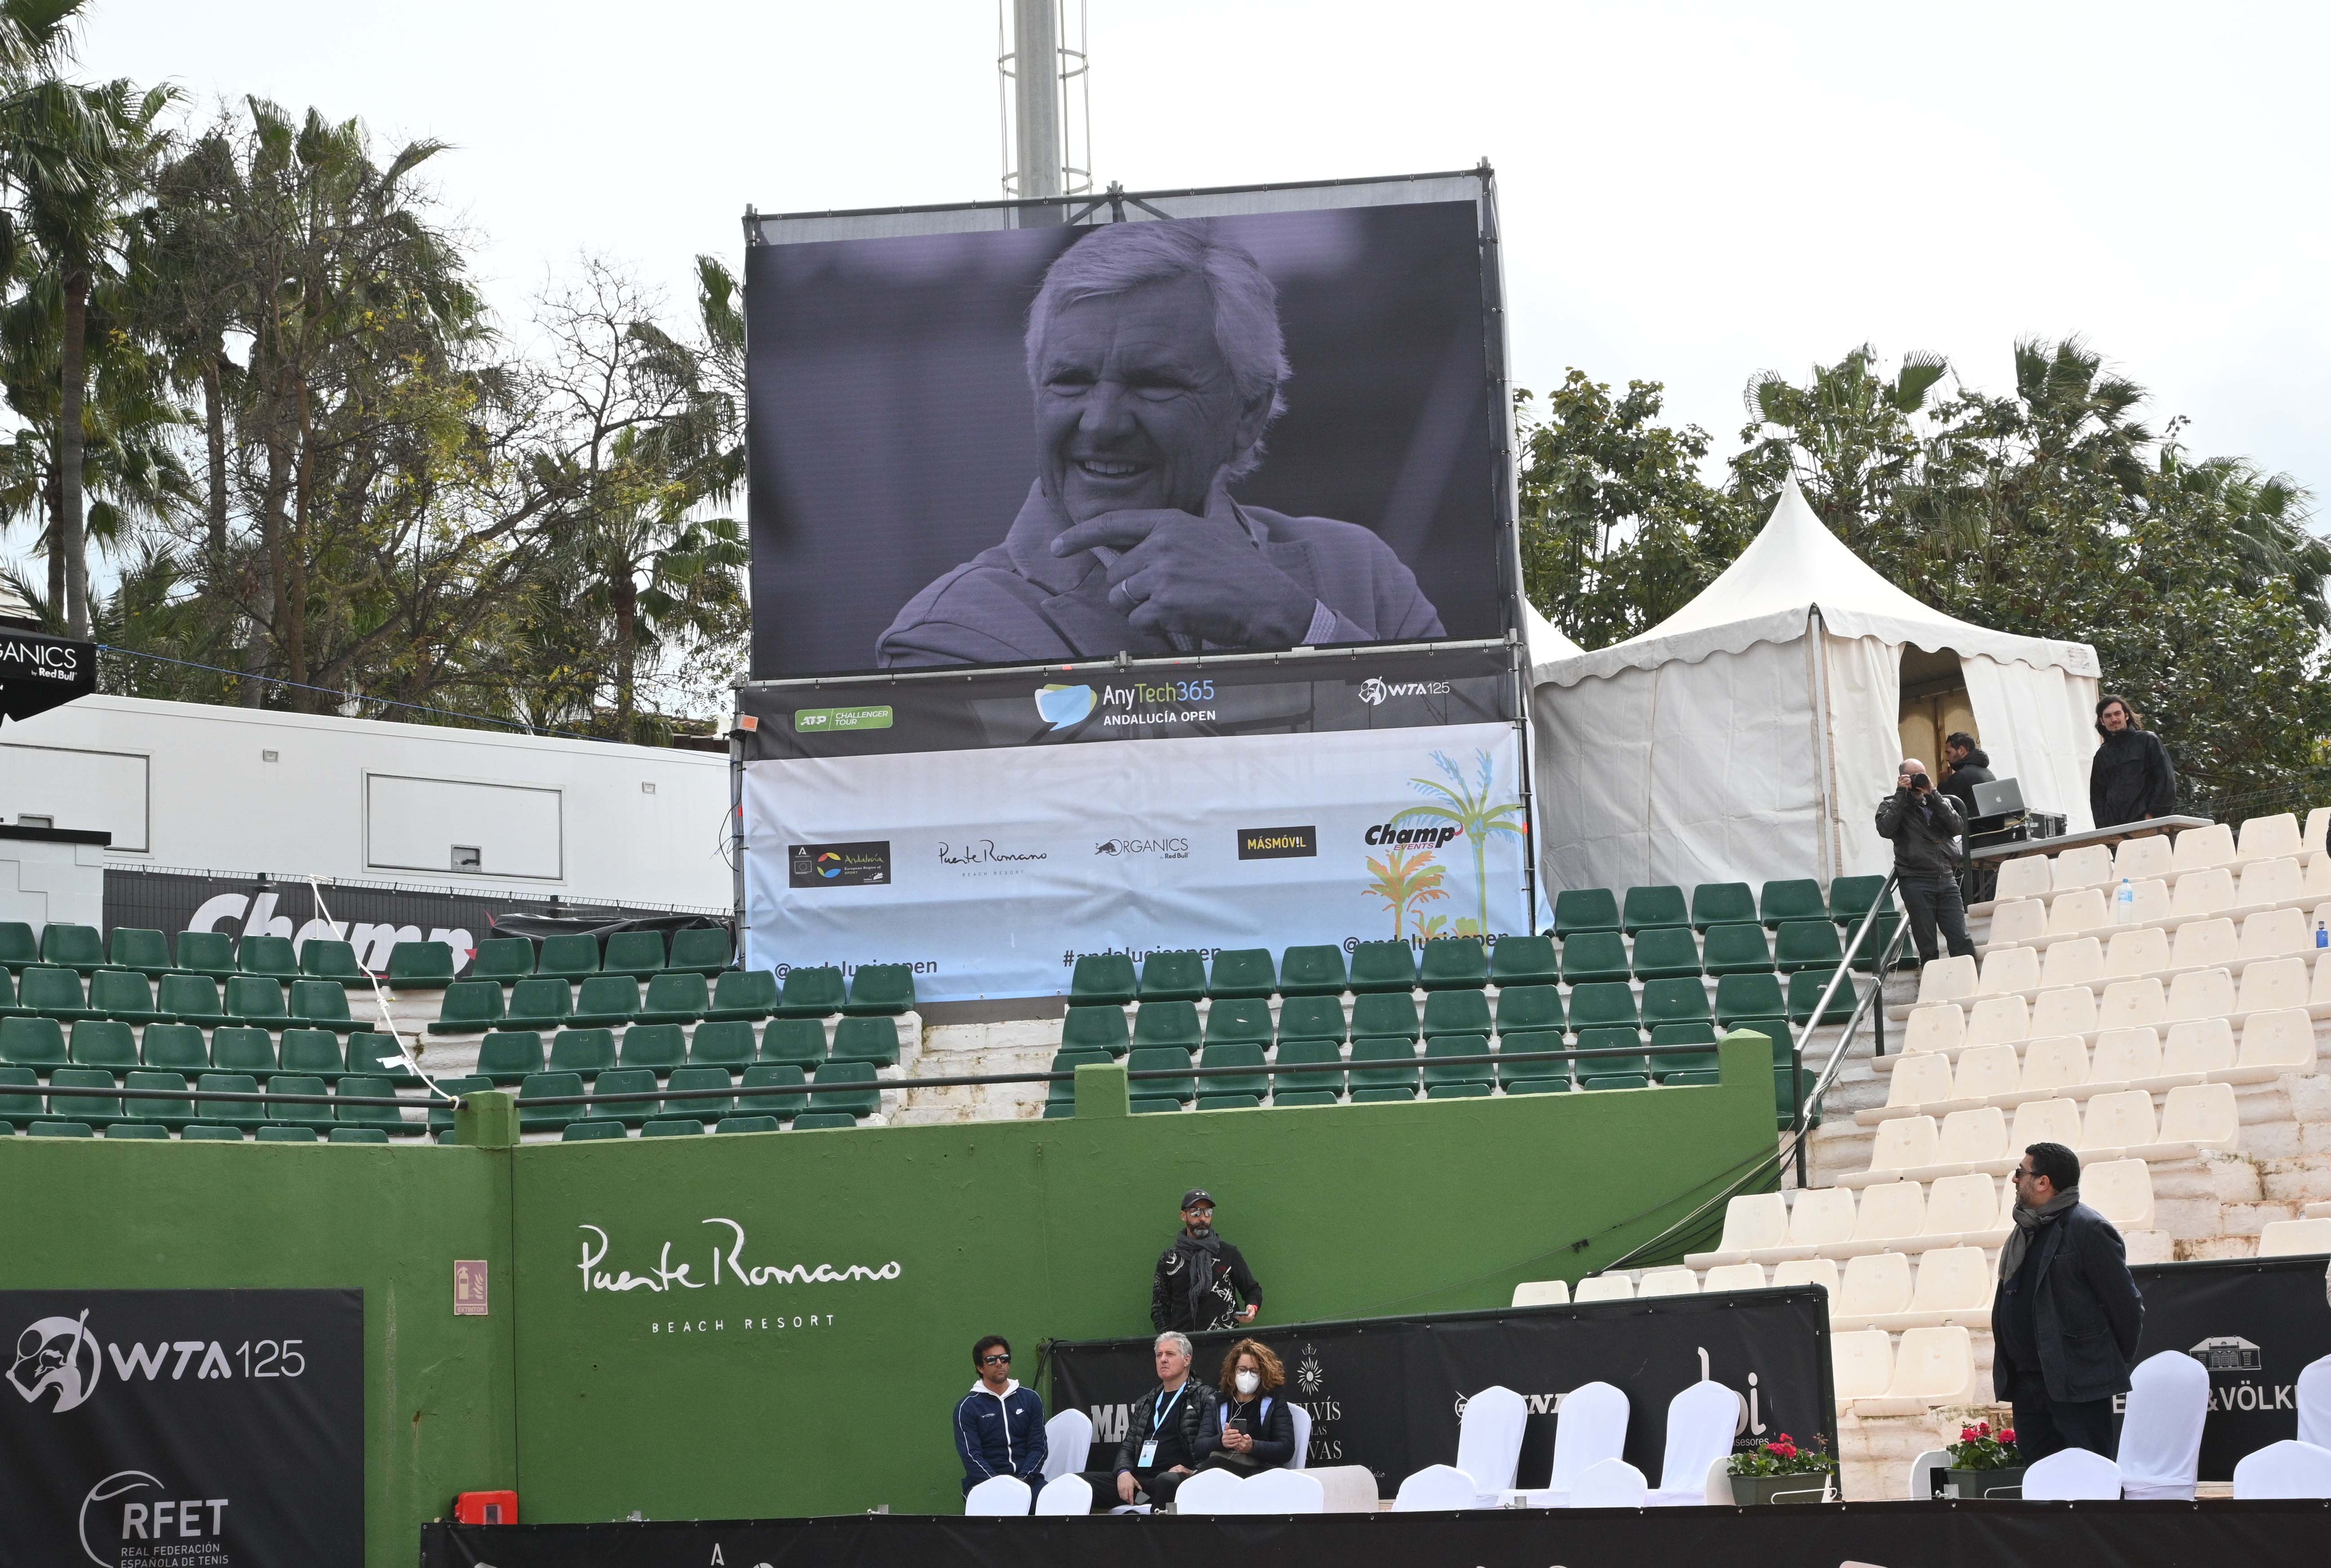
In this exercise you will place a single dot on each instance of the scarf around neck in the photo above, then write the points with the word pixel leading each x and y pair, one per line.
pixel 2028 1222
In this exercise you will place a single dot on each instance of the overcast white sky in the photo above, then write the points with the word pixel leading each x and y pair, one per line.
pixel 1692 193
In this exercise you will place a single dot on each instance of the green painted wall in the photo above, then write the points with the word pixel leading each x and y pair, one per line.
pixel 715 1397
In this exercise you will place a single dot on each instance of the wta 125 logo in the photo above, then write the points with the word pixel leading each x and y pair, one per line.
pixel 57 1354
pixel 61 1356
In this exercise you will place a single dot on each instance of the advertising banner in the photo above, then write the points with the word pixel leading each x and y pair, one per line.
pixel 151 1427
pixel 988 832
pixel 1389 1393
pixel 2255 1323
pixel 38 673
pixel 1175 422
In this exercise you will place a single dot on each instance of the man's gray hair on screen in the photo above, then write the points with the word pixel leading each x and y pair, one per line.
pixel 1117 258
pixel 1177 1337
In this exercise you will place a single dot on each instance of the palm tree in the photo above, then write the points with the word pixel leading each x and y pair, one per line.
pixel 1406 878
pixel 1467 807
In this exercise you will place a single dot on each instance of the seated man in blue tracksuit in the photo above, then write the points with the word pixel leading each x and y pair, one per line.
pixel 999 1426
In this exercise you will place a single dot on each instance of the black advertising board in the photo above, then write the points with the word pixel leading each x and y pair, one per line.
pixel 1388 1392
pixel 2255 1323
pixel 38 673
pixel 182 1427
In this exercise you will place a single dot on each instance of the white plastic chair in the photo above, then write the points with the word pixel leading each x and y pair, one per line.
pixel 1820 1271
pixel 1610 1484
pixel 2077 961
pixel 1208 1492
pixel 1668 1282
pixel 1921 1478
pixel 1877 1285
pixel 1489 1440
pixel 1938 1026
pixel 2067 1010
pixel 1862 1363
pixel 1983 1072
pixel 2006 970
pixel 1277 1491
pixel 1734 1276
pixel 1605 1287
pixel 2137 859
pixel 2073 1476
pixel 2024 877
pixel 2263 837
pixel 1068 1495
pixel 1701 1420
pixel 1348 1489
pixel 2121 1190
pixel 1543 1293
pixel 2285 1469
pixel 1436 1489
pixel 2314 1403
pixel 999 1497
pixel 1301 1418
pixel 1590 1428
pixel 2161 1436
pixel 1068 1442
pixel 1949 979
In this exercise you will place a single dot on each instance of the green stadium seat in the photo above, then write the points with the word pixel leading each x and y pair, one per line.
pixel 1166 1023
pixel 1797 899
pixel 1675 1001
pixel 137 1130
pixel 638 954
pixel 210 1132
pixel 1383 1070
pixel 1741 996
pixel 1722 904
pixel 1228 1102
pixel 444 1138
pixel 585 1052
pixel 373 1052
pixel 1524 1043
pixel 537 1004
pixel 800 1041
pixel 881 990
pixel 175 1047
pixel 383 1119
pixel 301 1115
pixel 19 946
pixel 1875 942
pixel 96 1110
pixel 749 994
pixel 48 992
pixel 1103 977
pixel 607 1001
pixel 1162 1058
pixel 1312 1018
pixel 1656 905
pixel 323 958
pixel 1615 1080
pixel 504 960
pixel 347 1135
pixel 1602 1004
pixel 1665 953
pixel 269 955
pixel 1453 963
pixel 1785 1105
pixel 1849 898
pixel 469 1007
pixel 1240 972
pixel 1523 960
pixel 814 992
pixel 1693 1077
pixel 210 953
pixel 420 966
pixel 1101 1028
pixel 244 1113
pixel 823 1121
pixel 324 1004
pixel 508 1056
pixel 239 1048
pixel 1313 971
pixel 1384 966
pixel 1539 1085
pixel 1455 1012
pixel 1807 944
pixel 1738 948
pixel 314 1052
pixel 8 994
pixel 1529 1007
pixel 257 1000
pixel 1806 992
pixel 79 948
pixel 658 1047
pixel 190 999
pixel 124 995
pixel 1316 1087
pixel 1175 976
pixel 441 1112
pixel 1060 1097
pixel 1436 1050
pixel 61 1130
pixel 553 1085
pixel 104 1043
pixel 676 996
pixel 1593 957
pixel 749 1125
pixel 727 1044
pixel 287 1133
pixel 1666 1068
pixel 847 1087
pixel 1778 1036
pixel 36 1042
pixel 629 1080
pixel 20 1101
pixel 874 1039
pixel 1384 1015
pixel 1244 1020
pixel 591 1129
pixel 148 952
pixel 1577 910
pixel 774 1089
pixel 1233 1068
pixel 572 957
pixel 1465 1090
pixel 1591 1067
pixel 706 949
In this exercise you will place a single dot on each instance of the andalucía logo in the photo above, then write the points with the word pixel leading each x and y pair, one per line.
pixel 838 865
pixel 60 1353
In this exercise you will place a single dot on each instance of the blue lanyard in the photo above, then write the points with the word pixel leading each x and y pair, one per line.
pixel 1157 1414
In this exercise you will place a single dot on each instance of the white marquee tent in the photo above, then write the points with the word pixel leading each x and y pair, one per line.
pixel 1751 735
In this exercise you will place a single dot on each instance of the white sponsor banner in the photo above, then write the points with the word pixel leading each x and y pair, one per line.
pixel 992 871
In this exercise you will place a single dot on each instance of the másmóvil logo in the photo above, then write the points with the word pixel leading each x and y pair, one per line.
pixel 1063 707
pixel 60 1353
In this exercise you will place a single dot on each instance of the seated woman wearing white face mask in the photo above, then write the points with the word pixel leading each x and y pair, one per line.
pixel 1251 1429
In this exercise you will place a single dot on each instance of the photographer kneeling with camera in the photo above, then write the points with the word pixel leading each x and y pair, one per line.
pixel 1923 824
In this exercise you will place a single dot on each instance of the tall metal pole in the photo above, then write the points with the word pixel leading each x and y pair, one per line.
pixel 1036 103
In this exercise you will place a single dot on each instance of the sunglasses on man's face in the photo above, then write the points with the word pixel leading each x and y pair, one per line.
pixel 995 1361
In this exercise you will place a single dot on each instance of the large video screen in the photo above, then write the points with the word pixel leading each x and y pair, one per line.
pixel 1153 437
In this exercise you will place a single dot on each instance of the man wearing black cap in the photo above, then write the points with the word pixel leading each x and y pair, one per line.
pixel 1202 1278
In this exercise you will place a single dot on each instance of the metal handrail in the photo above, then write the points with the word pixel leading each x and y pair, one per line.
pixel 1820 1010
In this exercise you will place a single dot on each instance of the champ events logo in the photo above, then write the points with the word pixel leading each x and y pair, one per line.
pixel 728 1264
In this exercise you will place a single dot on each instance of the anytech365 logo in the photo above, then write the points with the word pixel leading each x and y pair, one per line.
pixel 60 1353
pixel 1375 689
pixel 1062 707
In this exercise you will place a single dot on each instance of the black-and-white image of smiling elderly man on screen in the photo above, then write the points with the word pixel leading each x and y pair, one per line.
pixel 1157 362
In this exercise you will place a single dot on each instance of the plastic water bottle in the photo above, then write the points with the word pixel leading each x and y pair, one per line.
pixel 2124 904
pixel 2322 937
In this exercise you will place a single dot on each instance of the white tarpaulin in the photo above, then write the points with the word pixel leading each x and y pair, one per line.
pixel 1750 735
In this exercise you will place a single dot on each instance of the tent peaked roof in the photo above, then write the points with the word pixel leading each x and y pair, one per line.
pixel 1793 568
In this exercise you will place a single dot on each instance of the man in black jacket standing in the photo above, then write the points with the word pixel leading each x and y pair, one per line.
pixel 1202 1278
pixel 2064 1323
pixel 1922 821
pixel 2130 777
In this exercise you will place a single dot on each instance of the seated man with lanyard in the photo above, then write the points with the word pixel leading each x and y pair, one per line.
pixel 1161 1437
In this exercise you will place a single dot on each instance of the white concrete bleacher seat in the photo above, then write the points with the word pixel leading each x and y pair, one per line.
pixel 2016 922
pixel 2072 1476
pixel 999 1497
pixel 1917 1149
pixel 1930 1366
pixel 1610 1484
pixel 2311 831
pixel 1590 1428
pixel 2049 1121
pixel 2006 970
pixel 2294 1238
pixel 1734 1276
pixel 2270 838
pixel 2024 877
pixel 2119 1190
pixel 1605 1287
pixel 1890 1213
pixel 1820 1271
pixel 1949 979
pixel 1954 1285
pixel 2198 849
pixel 1751 1220
pixel 2078 962
pixel 1068 1496
pixel 2137 859
pixel 2085 866
pixel 1276 1491
pixel 1701 1420
pixel 1542 1292
pixel 1862 1365
pixel 2160 1453
pixel 1667 1282
pixel 2135 952
pixel 1876 1286
pixel 2075 914
pixel 1821 1218
pixel 2288 1469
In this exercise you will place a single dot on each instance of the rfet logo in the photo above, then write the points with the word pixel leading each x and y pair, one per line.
pixel 124 1507
pixel 57 1352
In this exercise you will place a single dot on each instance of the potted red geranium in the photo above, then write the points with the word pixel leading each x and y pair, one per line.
pixel 1781 1472
pixel 1984 1464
